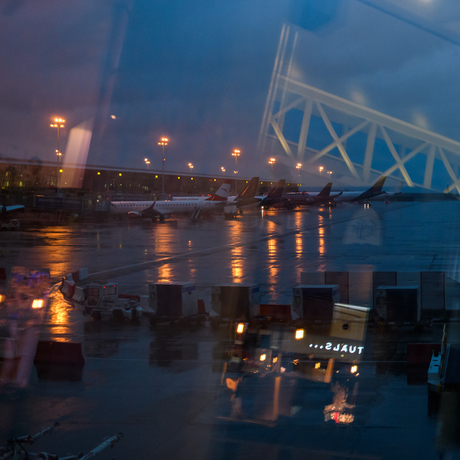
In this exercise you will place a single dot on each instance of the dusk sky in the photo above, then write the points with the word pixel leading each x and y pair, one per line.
pixel 199 73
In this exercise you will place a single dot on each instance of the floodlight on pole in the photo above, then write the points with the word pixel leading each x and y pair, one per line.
pixel 58 123
pixel 320 170
pixel 236 153
pixel 163 142
pixel 298 167
pixel 271 162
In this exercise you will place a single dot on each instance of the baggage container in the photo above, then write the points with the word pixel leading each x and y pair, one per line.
pixel 315 303
pixel 433 291
pixel 343 281
pixel 312 278
pixel 236 301
pixel 361 288
pixel 173 301
pixel 382 279
pixel 408 278
pixel 397 304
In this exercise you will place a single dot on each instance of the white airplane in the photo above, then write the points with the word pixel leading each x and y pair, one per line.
pixel 356 196
pixel 221 195
pixel 162 209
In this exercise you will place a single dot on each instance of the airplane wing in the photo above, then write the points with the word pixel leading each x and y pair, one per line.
pixel 11 208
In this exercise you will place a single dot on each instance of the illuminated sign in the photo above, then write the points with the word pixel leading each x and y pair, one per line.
pixel 339 348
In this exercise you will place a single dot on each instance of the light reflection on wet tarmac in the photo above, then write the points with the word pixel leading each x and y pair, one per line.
pixel 161 386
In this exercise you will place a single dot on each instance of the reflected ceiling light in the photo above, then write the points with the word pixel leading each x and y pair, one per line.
pixel 420 120
pixel 37 303
pixel 358 97
pixel 299 334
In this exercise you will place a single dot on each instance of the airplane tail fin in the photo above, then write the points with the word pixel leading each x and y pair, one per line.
pixel 377 187
pixel 398 188
pixel 222 192
pixel 326 190
pixel 250 190
pixel 277 190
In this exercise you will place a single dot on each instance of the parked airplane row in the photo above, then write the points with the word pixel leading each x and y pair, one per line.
pixel 276 198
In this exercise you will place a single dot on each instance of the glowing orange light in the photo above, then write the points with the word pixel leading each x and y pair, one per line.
pixel 299 334
pixel 37 303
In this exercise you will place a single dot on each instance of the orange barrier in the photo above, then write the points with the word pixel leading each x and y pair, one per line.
pixel 59 353
pixel 76 276
pixel 130 297
pixel 276 312
pixel 59 361
pixel 420 353
pixel 201 307
pixel 64 286
pixel 70 290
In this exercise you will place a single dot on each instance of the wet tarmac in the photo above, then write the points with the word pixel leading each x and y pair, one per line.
pixel 163 387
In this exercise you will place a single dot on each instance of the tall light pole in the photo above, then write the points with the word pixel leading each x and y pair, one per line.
pixel 222 169
pixel 190 166
pixel 320 170
pixel 58 124
pixel 236 181
pixel 163 142
pixel 298 166
pixel 271 162
pixel 147 162
pixel 329 174
pixel 236 153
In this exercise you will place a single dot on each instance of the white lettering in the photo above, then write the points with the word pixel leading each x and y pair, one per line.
pixel 340 347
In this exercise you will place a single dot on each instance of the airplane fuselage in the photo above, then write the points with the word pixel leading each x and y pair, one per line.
pixel 164 207
pixel 357 196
